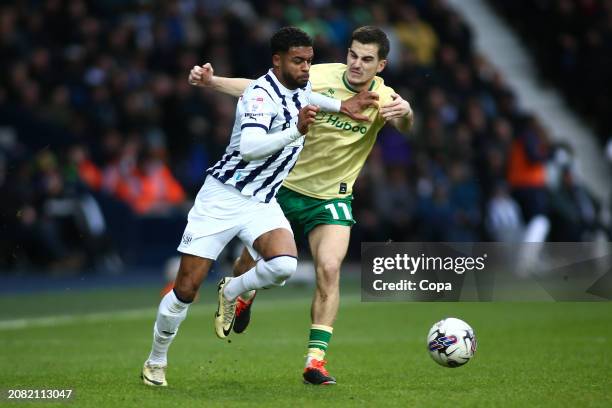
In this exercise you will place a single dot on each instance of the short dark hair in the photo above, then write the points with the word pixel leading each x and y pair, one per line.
pixel 288 37
pixel 372 35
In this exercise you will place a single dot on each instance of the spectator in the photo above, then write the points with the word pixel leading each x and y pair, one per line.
pixel 150 188
pixel 106 84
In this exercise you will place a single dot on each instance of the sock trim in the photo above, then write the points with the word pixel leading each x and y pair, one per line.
pixel 322 327
pixel 179 298
pixel 278 256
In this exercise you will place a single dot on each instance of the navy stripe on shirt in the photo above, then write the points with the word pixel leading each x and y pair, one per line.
pixel 255 125
pixel 278 171
pixel 296 100
pixel 229 173
pixel 222 162
pixel 278 92
pixel 256 171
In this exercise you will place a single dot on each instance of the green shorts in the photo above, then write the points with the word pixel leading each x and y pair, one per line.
pixel 304 213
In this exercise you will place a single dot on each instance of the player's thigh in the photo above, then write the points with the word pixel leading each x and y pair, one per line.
pixel 275 243
pixel 328 245
pixel 268 233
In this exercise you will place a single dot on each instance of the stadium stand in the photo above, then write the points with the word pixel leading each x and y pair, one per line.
pixel 572 42
pixel 103 142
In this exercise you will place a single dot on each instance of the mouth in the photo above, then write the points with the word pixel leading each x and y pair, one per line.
pixel 355 71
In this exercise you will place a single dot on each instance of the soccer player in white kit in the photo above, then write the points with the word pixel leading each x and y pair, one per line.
pixel 238 195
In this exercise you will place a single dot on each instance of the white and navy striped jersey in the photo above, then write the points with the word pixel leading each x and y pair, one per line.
pixel 265 104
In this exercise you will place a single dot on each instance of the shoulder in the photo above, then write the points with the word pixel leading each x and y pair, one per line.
pixel 384 92
pixel 326 70
pixel 260 88
pixel 256 98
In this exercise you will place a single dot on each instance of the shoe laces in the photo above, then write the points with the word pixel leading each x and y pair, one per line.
pixel 319 365
pixel 229 309
pixel 157 371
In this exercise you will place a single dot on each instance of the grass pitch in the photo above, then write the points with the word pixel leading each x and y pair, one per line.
pixel 529 354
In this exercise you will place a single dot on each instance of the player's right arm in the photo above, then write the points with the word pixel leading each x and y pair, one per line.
pixel 257 111
pixel 204 76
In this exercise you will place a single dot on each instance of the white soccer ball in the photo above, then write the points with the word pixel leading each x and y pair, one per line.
pixel 451 342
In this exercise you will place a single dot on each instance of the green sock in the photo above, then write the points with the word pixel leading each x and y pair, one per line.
pixel 318 341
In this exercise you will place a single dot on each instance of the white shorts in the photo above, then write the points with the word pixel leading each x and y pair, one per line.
pixel 220 212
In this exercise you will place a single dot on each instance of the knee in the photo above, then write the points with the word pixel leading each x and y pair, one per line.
pixel 328 273
pixel 282 268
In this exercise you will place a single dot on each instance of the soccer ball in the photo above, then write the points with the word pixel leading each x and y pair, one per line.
pixel 451 342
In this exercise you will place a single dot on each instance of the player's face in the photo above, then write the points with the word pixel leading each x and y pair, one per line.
pixel 294 66
pixel 363 64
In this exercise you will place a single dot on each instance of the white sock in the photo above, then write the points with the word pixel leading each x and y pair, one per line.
pixel 272 272
pixel 243 283
pixel 170 314
pixel 246 296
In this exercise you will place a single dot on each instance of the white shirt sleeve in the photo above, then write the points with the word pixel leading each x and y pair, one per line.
pixel 258 111
pixel 256 143
pixel 326 103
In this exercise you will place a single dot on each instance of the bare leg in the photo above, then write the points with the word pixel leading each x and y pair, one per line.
pixel 243 263
pixel 172 311
pixel 192 271
pixel 328 245
pixel 275 243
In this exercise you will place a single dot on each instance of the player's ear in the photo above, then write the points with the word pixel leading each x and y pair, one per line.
pixel 381 65
pixel 276 60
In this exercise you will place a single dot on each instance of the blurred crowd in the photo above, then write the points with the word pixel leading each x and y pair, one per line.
pixel 572 42
pixel 103 143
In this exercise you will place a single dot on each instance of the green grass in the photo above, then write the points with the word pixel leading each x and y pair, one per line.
pixel 529 354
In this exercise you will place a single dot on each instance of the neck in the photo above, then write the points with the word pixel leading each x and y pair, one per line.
pixel 363 87
pixel 357 88
pixel 277 74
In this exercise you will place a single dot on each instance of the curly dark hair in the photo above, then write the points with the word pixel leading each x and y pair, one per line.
pixel 372 35
pixel 288 37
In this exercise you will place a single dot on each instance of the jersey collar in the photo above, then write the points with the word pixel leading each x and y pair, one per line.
pixel 282 87
pixel 350 88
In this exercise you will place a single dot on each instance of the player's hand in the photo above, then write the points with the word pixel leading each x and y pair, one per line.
pixel 397 108
pixel 306 117
pixel 358 103
pixel 201 76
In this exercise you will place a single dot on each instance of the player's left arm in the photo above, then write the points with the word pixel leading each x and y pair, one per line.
pixel 398 112
pixel 351 107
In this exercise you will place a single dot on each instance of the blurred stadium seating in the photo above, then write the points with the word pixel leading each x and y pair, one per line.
pixel 572 42
pixel 103 143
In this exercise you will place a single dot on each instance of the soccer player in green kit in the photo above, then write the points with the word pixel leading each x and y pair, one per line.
pixel 316 196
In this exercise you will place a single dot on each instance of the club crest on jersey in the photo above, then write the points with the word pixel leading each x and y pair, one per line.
pixel 255 105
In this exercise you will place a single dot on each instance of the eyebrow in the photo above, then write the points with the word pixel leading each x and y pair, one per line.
pixel 367 56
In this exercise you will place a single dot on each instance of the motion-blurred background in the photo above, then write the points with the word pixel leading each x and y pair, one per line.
pixel 103 143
